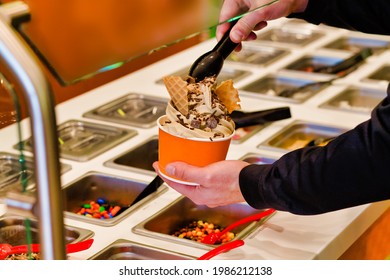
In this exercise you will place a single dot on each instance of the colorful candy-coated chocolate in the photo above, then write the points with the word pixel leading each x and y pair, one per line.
pixel 98 209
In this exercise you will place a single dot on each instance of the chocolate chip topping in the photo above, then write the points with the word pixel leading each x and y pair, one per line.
pixel 212 123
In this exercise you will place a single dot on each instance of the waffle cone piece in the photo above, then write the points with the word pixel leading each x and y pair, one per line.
pixel 177 89
pixel 228 95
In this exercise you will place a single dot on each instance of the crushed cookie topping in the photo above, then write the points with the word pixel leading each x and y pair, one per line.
pixel 204 109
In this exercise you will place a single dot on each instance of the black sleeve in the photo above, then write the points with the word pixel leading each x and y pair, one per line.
pixel 369 16
pixel 351 170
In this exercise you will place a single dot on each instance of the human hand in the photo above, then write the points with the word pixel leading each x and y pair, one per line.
pixel 218 182
pixel 243 30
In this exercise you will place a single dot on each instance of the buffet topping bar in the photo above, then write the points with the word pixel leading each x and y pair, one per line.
pixel 108 141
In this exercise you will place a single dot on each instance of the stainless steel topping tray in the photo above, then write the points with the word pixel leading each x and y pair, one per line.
pixel 355 44
pixel 13 231
pixel 11 172
pixel 114 189
pixel 227 73
pixel 311 63
pixel 295 36
pixel 244 133
pixel 298 135
pixel 257 55
pixel 183 211
pixel 139 158
pixel 381 74
pixel 123 249
pixel 355 99
pixel 254 158
pixel 133 109
pixel 82 141
pixel 272 86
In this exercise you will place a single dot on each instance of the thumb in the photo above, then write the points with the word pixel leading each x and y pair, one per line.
pixel 184 171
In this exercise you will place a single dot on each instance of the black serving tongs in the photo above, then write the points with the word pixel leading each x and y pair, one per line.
pixel 340 70
pixel 210 63
pixel 351 62
pixel 244 119
pixel 149 189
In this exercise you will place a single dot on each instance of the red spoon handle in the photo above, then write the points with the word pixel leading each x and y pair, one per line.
pixel 79 246
pixel 221 249
pixel 24 249
pixel 70 248
pixel 255 217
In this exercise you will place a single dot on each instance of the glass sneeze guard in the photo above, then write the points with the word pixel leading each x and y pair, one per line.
pixel 79 39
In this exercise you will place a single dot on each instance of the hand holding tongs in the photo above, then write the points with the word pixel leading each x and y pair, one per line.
pixel 210 63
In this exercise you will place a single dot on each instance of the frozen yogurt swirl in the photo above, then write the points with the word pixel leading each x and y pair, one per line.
pixel 207 116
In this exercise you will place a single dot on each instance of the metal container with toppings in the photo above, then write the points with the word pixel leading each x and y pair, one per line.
pixel 133 109
pixel 82 141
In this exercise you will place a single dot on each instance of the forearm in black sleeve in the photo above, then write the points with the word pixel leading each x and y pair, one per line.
pixel 351 170
pixel 369 16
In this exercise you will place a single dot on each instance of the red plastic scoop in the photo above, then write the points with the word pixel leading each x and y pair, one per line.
pixel 6 249
pixel 221 249
pixel 212 238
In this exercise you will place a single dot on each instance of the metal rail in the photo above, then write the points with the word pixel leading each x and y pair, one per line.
pixel 22 68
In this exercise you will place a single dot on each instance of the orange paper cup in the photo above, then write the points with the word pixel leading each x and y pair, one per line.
pixel 195 151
